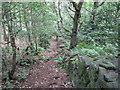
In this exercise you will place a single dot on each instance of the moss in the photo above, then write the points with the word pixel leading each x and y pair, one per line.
pixel 88 73
pixel 108 66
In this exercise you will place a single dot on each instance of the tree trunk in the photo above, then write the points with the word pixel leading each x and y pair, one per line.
pixel 28 29
pixel 77 15
pixel 73 41
pixel 12 41
pixel 3 23
pixel 92 21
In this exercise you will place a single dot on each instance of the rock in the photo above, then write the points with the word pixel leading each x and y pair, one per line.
pixel 98 58
pixel 114 85
pixel 97 62
pixel 110 77
pixel 86 59
pixel 102 71
pixel 108 65
pixel 94 73
pixel 111 58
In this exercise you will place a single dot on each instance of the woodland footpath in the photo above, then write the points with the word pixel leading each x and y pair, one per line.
pixel 60 44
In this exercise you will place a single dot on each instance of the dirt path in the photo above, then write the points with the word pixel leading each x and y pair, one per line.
pixel 45 74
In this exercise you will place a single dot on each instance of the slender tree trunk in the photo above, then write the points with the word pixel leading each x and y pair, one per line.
pixel 5 35
pixel 77 15
pixel 58 23
pixel 92 21
pixel 3 23
pixel 13 45
pixel 28 29
pixel 74 30
pixel 4 58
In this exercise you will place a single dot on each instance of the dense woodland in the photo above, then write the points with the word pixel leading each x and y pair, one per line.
pixel 80 29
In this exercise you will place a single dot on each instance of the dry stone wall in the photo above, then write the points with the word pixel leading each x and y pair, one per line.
pixel 98 72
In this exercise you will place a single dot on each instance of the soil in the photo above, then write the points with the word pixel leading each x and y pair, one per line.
pixel 46 74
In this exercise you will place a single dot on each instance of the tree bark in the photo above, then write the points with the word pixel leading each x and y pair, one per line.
pixel 77 15
pixel 3 23
pixel 28 29
pixel 12 41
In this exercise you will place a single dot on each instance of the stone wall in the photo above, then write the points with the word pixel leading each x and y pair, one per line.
pixel 100 72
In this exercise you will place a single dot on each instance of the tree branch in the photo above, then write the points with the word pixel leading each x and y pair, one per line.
pixel 4 13
pixel 69 13
pixel 71 9
pixel 101 3
pixel 75 5
pixel 87 10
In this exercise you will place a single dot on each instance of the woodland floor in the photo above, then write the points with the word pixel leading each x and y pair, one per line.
pixel 45 74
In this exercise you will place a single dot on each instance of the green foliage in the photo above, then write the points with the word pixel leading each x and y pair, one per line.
pixel 5 75
pixel 26 61
pixel 111 49
pixel 85 45
pixel 89 52
pixel 102 31
pixel 93 50
pixel 100 50
pixel 61 61
pixel 36 22
pixel 74 59
pixel 21 75
pixel 82 44
pixel 41 49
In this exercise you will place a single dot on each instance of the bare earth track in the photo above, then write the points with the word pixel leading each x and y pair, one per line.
pixel 45 74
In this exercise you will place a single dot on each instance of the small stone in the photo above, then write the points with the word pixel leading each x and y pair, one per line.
pixel 56 70
pixel 110 77
pixel 68 82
